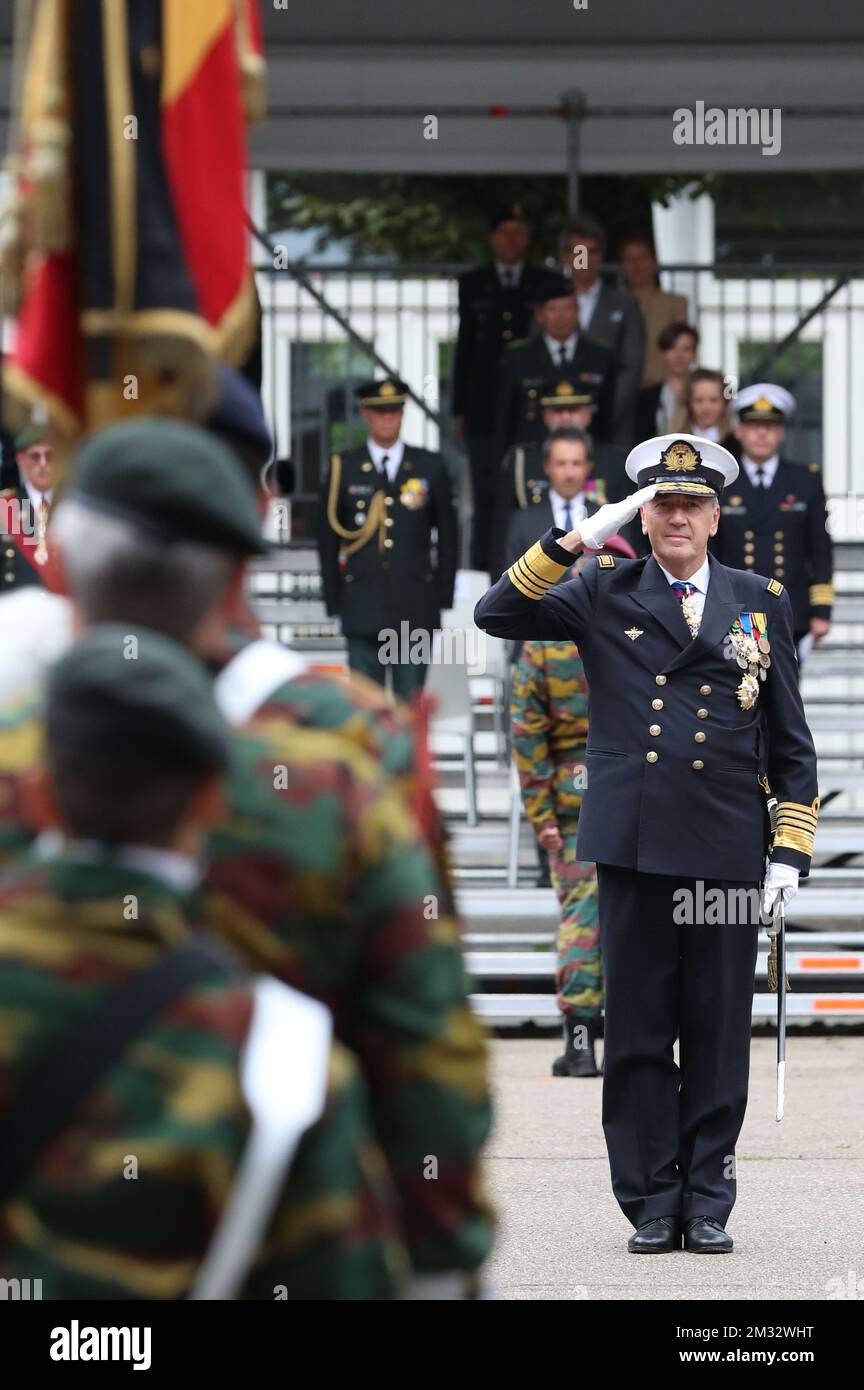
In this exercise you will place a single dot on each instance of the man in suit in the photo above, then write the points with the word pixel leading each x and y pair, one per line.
pixel 658 308
pixel 694 714
pixel 495 309
pixel 561 351
pixel 388 540
pixel 24 511
pixel 566 460
pixel 609 317
pixel 776 521
pixel 522 482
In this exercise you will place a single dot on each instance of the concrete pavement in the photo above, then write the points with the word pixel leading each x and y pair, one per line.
pixel 798 1223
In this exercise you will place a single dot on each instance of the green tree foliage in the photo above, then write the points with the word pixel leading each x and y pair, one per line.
pixel 416 218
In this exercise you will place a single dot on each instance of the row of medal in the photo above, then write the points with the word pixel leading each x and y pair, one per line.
pixel 750 636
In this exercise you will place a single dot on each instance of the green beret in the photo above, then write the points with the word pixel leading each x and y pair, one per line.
pixel 172 479
pixel 126 685
pixel 34 434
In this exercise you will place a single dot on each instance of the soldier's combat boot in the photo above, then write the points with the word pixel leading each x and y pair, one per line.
pixel 578 1059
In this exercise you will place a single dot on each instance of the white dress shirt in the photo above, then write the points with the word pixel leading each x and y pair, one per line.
pixel 698 582
pixel 37 497
pixel 577 509
pixel 505 272
pixel 588 303
pixel 769 468
pixel 554 348
pixel 393 456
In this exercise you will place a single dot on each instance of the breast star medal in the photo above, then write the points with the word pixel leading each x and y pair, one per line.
pixel 633 633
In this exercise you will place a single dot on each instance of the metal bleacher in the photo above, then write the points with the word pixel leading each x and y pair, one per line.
pixel 509 923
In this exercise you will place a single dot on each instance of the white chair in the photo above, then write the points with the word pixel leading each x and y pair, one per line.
pixel 448 682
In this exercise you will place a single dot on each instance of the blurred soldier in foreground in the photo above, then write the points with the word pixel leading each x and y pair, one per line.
pixel 319 873
pixel 24 512
pixel 388 539
pixel 146 1152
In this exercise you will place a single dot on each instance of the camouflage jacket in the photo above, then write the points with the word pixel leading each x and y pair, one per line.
pixel 549 713
pixel 319 876
pixel 124 1202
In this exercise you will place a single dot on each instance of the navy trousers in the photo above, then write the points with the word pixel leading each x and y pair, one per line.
pixel 671 1131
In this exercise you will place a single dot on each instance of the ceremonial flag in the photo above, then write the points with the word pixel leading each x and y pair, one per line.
pixel 129 251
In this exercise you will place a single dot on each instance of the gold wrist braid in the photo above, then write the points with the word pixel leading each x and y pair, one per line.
pixel 374 521
pixel 796 826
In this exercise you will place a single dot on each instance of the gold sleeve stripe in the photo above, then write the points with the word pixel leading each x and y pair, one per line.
pixel 796 826
pixel 801 840
pixel 821 595
pixel 534 573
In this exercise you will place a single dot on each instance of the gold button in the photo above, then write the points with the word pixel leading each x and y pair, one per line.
pixel 654 730
pixel 748 535
pixel 10 578
pixel 365 468
pixel 701 714
pixel 749 545
pixel 778 547
pixel 651 757
pixel 748 560
pixel 388 545
pixel 360 503
pixel 656 704
pixel 349 579
pixel 778 535
pixel 507 316
pixel 388 501
pixel 700 737
pixel 388 521
pixel 698 765
pixel 9 554
pixel 661 680
pixel 778 574
pixel 507 333
pixel 704 690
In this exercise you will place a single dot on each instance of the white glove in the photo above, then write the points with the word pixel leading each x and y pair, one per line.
pixel 780 878
pixel 596 529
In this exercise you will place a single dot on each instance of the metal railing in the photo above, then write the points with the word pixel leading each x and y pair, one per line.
pixel 409 316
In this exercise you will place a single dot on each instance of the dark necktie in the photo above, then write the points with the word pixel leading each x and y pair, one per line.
pixel 760 475
pixel 562 356
pixel 683 590
pixel 568 517
pixel 384 465
pixel 508 279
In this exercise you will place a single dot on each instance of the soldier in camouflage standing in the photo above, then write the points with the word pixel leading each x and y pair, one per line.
pixel 143 1154
pixel 319 873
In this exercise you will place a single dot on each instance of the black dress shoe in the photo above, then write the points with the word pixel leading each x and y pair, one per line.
pixel 705 1236
pixel 656 1237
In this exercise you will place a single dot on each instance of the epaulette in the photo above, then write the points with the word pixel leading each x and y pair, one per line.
pixel 606 562
pixel 8 492
pixel 775 587
pixel 814 468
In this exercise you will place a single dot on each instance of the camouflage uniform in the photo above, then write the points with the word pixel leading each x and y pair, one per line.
pixel 323 881
pixel 173 1102
pixel 549 711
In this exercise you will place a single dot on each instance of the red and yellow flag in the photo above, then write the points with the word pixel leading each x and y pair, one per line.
pixel 130 255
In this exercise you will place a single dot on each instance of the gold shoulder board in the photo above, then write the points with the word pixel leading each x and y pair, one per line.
pixel 606 562
pixel 775 587
pixel 814 468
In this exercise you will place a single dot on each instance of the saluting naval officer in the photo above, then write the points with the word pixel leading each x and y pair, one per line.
pixel 694 711
pixel 775 520
pixel 387 539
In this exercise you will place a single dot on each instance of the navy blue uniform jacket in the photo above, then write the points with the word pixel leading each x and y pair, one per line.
pixel 685 800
